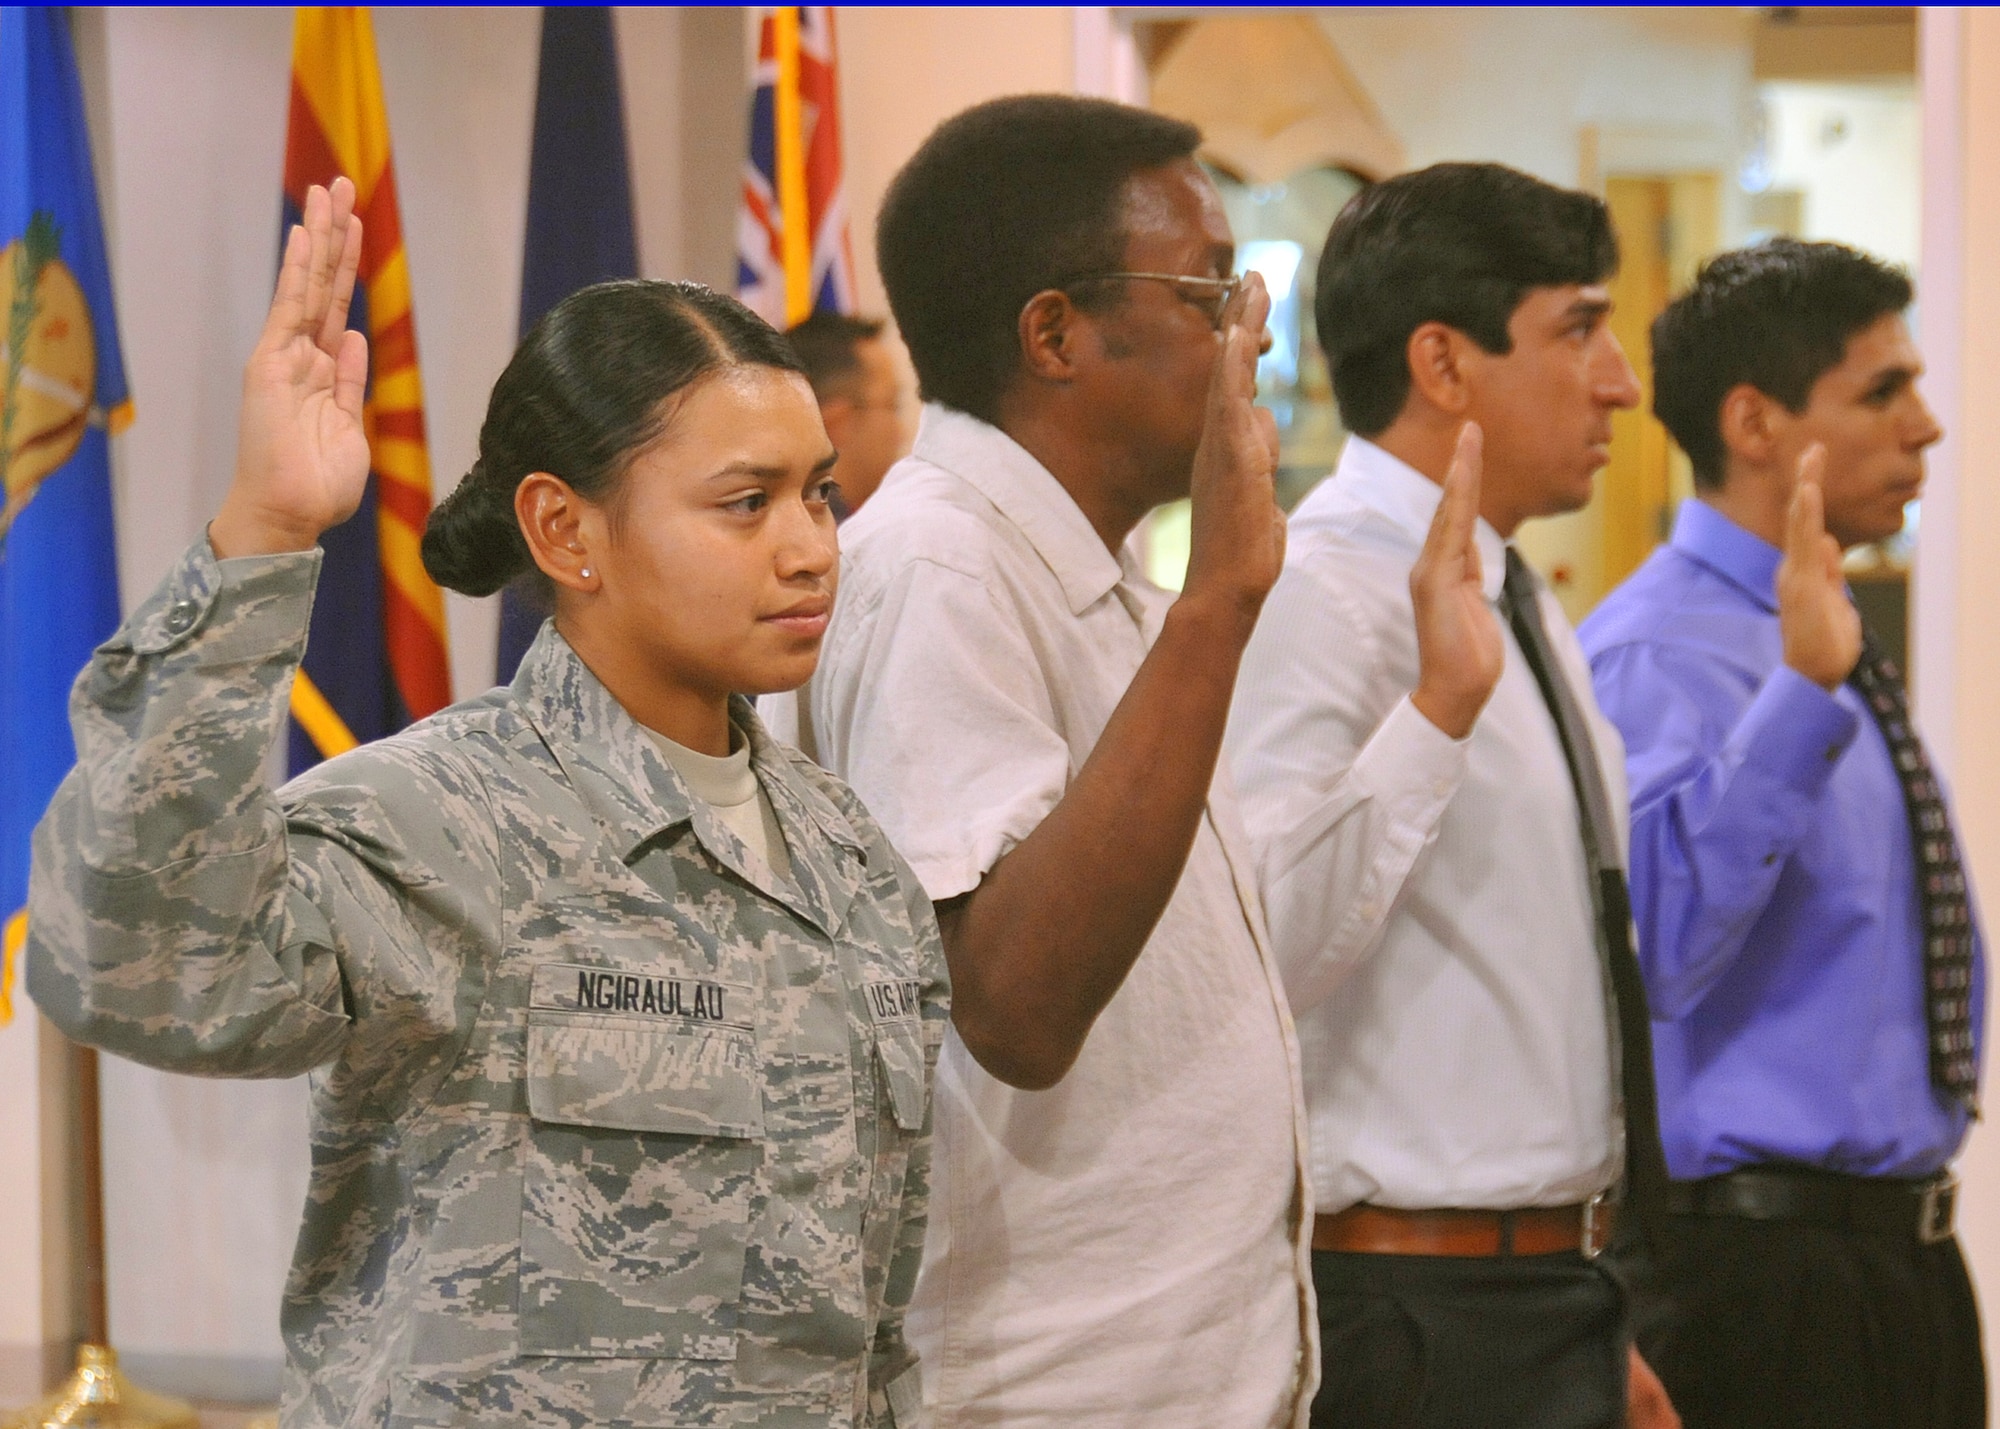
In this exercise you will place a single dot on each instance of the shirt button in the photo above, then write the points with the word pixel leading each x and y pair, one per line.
pixel 1832 753
pixel 1769 859
pixel 181 617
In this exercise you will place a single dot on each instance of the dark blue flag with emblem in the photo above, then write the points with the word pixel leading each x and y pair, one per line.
pixel 63 396
pixel 579 209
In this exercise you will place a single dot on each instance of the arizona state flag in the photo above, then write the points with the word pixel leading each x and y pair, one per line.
pixel 62 393
pixel 375 656
pixel 579 210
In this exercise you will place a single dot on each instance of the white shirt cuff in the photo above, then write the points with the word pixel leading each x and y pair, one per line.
pixel 1411 766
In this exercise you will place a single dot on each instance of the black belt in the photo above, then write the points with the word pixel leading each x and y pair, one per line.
pixel 1882 1204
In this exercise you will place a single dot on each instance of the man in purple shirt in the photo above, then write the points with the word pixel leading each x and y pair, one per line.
pixel 1805 931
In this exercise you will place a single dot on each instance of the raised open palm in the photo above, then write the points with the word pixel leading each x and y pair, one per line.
pixel 302 450
pixel 1460 651
pixel 1237 540
pixel 1816 617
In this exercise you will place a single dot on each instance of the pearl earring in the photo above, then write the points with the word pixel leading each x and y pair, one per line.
pixel 586 572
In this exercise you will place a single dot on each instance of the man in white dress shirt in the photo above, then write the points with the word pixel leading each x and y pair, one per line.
pixel 1120 1216
pixel 1441 849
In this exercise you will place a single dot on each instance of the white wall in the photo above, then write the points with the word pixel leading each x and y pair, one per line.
pixel 205 1179
pixel 904 70
pixel 1545 89
pixel 24 1324
pixel 1955 662
pixel 1854 151
pixel 1517 85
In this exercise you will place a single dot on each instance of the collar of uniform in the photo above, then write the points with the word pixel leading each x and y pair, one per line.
pixel 637 795
pixel 1391 487
pixel 1023 491
pixel 1750 563
pixel 782 785
pixel 827 867
pixel 629 786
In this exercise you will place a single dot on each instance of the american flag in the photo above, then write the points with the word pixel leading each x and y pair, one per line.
pixel 792 254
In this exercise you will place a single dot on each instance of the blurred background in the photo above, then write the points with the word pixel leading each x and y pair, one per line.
pixel 1703 128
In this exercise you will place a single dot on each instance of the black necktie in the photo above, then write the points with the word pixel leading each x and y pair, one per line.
pixel 1645 1161
pixel 1947 912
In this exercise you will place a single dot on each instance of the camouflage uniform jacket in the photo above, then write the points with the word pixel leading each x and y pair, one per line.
pixel 608 1127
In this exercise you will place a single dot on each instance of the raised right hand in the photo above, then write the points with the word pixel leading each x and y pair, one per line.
pixel 1236 544
pixel 301 449
pixel 1460 652
pixel 1818 622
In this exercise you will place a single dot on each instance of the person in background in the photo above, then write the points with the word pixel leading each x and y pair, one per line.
pixel 617 1014
pixel 859 385
pixel 1439 812
pixel 1119 1231
pixel 1809 942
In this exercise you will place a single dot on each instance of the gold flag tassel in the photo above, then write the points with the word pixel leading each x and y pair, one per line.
pixel 97 1396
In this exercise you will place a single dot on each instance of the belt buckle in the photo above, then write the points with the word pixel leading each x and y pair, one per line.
pixel 1938 1209
pixel 1592 1225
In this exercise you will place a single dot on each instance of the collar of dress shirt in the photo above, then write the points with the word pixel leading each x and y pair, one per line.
pixel 1391 487
pixel 1748 562
pixel 1023 491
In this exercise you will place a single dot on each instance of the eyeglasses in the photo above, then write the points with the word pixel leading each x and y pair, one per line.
pixel 1211 295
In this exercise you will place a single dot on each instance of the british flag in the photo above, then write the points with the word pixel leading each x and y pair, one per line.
pixel 792 251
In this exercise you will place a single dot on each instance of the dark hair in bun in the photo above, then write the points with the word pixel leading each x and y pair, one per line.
pixel 585 393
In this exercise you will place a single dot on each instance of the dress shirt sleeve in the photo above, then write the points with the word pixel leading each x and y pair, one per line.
pixel 1343 782
pixel 183 916
pixel 932 706
pixel 1722 796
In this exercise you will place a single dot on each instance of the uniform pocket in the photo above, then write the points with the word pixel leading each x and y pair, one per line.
pixel 645 1154
pixel 901 1052
pixel 895 1007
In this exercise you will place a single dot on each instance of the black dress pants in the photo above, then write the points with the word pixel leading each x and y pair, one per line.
pixel 1437 1342
pixel 1788 1325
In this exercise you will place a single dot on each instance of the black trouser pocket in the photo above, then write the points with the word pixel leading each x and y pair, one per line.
pixel 1442 1342
pixel 1372 1358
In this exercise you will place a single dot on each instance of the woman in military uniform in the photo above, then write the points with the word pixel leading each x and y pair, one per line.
pixel 618 1015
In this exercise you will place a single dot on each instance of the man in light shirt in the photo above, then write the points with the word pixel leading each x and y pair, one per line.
pixel 1440 813
pixel 1119 1215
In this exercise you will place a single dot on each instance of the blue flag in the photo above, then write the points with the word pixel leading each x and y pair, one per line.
pixel 579 207
pixel 63 395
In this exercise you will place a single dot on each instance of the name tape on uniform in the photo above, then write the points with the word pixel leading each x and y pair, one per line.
pixel 894 999
pixel 671 997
